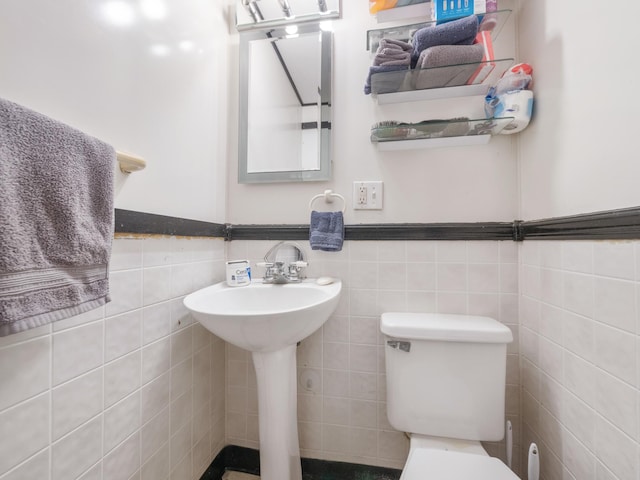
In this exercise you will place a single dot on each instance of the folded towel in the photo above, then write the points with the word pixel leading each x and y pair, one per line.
pixel 393 43
pixel 392 58
pixel 457 32
pixel 457 63
pixel 390 79
pixel 56 217
pixel 326 231
pixel 392 52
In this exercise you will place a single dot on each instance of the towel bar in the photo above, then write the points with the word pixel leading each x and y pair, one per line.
pixel 328 197
pixel 130 163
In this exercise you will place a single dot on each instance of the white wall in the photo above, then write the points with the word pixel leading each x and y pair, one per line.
pixel 67 60
pixel 578 155
pixel 578 304
pixel 445 185
pixel 135 389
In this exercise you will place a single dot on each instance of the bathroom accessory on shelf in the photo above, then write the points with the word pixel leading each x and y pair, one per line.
pixel 392 83
pixel 130 163
pixel 392 135
pixel 376 6
pixel 328 196
pixel 512 96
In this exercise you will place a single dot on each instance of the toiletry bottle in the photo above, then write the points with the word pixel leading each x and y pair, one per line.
pixel 238 273
pixel 376 5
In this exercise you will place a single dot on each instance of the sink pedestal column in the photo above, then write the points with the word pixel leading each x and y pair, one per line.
pixel 278 414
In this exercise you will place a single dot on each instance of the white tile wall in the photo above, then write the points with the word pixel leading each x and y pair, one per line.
pixel 137 390
pixel 132 390
pixel 341 372
pixel 580 366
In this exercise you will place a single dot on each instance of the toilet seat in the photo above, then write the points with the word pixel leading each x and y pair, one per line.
pixel 429 464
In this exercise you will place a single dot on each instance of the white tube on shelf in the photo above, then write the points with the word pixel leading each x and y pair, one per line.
pixel 509 442
pixel 533 471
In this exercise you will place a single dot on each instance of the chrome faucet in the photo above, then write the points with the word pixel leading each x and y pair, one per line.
pixel 281 271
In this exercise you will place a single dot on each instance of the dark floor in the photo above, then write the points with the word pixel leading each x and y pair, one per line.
pixel 247 460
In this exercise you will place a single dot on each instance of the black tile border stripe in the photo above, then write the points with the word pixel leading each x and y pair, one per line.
pixel 247 460
pixel 128 221
pixel 389 231
pixel 606 225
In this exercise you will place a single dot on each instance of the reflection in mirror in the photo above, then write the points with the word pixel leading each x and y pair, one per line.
pixel 285 104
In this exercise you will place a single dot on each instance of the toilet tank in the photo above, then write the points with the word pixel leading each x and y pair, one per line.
pixel 446 374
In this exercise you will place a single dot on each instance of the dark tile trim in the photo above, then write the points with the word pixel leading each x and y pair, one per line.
pixel 400 231
pixel 606 225
pixel 247 460
pixel 128 221
pixel 268 232
pixel 231 457
pixel 611 225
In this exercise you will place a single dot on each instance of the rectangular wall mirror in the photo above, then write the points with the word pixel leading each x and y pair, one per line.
pixel 285 104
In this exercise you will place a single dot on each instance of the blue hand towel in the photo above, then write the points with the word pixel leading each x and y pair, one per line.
pixel 457 32
pixel 326 231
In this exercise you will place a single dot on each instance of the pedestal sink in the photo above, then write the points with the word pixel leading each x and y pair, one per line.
pixel 269 320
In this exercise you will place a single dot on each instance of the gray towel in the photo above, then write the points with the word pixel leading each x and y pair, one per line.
pixel 385 78
pixel 386 43
pixel 447 65
pixel 326 231
pixel 458 32
pixel 56 219
pixel 390 56
pixel 392 52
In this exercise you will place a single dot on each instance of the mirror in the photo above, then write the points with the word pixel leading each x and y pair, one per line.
pixel 285 104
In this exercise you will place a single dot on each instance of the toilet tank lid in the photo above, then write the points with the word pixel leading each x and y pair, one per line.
pixel 445 327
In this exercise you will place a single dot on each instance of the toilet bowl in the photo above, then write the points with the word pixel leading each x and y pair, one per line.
pixel 427 464
pixel 445 388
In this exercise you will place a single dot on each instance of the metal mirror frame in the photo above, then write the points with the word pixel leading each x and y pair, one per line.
pixel 324 143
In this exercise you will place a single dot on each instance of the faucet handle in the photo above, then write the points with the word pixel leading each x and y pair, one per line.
pixel 268 266
pixel 300 264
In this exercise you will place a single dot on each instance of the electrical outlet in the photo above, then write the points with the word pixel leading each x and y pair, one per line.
pixel 362 195
pixel 367 195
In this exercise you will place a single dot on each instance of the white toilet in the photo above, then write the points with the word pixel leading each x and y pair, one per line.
pixel 446 388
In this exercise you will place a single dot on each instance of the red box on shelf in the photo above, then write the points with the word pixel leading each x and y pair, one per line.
pixel 485 69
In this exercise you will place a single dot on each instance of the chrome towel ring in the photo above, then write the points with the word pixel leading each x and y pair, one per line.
pixel 328 196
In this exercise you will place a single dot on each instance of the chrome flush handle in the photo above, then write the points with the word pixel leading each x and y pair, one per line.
pixel 399 345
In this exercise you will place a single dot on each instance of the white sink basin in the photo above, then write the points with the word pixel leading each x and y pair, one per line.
pixel 269 320
pixel 264 317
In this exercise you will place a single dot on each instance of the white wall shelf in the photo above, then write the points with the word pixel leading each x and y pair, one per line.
pixel 433 143
pixel 450 81
pixel 403 85
pixel 437 133
pixel 418 10
pixel 492 22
